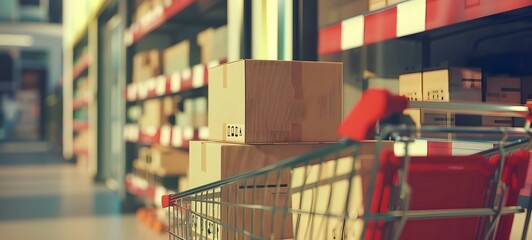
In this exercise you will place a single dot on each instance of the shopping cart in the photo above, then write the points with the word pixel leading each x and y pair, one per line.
pixel 359 189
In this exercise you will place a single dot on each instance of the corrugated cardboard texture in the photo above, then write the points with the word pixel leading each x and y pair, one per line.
pixel 284 101
pixel 411 86
pixel 453 85
pixel 503 90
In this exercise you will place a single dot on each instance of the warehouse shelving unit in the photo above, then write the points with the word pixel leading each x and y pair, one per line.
pixel 165 24
pixel 420 35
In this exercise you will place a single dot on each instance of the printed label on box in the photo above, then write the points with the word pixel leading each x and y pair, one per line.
pixel 235 132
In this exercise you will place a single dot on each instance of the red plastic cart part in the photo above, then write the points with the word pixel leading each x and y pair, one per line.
pixel 446 182
pixel 166 200
pixel 514 176
pixel 437 182
pixel 374 105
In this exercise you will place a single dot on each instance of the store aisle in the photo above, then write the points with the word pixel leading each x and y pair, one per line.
pixel 42 197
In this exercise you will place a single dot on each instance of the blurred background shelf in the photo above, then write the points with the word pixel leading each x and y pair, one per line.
pixel 167 85
pixel 174 136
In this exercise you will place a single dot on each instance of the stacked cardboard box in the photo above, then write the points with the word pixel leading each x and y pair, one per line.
pixel 177 57
pixel 155 112
pixel 443 85
pixel 261 112
pixel 146 65
pixel 213 44
pixel 502 90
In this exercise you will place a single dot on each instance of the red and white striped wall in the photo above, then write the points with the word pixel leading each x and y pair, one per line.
pixel 406 18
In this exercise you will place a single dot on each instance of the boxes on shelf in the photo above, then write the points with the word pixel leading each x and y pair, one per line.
pixel 177 57
pixel 170 105
pixel 146 65
pixel 200 112
pixel 220 44
pixel 213 44
pixel 411 86
pixel 144 157
pixel 183 119
pixel 260 101
pixel 502 90
pixel 153 115
pixel 452 85
pixel 205 41
pixel 169 161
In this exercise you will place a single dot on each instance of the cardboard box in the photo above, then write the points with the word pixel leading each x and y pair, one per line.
pixel 170 105
pixel 153 113
pixel 168 161
pixel 432 118
pixel 213 161
pixel 220 44
pixel 177 57
pixel 411 86
pixel 205 40
pixel 236 158
pixel 503 90
pixel 453 85
pixel 154 62
pixel 146 65
pixel 495 121
pixel 144 156
pixel 259 101
pixel 138 65
pixel 200 117
pixel 377 4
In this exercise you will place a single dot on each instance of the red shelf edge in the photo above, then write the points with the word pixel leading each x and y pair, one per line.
pixel 168 12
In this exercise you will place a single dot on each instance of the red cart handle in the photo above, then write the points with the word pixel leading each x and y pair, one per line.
pixel 166 200
pixel 374 105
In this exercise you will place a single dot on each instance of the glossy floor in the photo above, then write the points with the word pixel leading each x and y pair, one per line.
pixel 41 197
